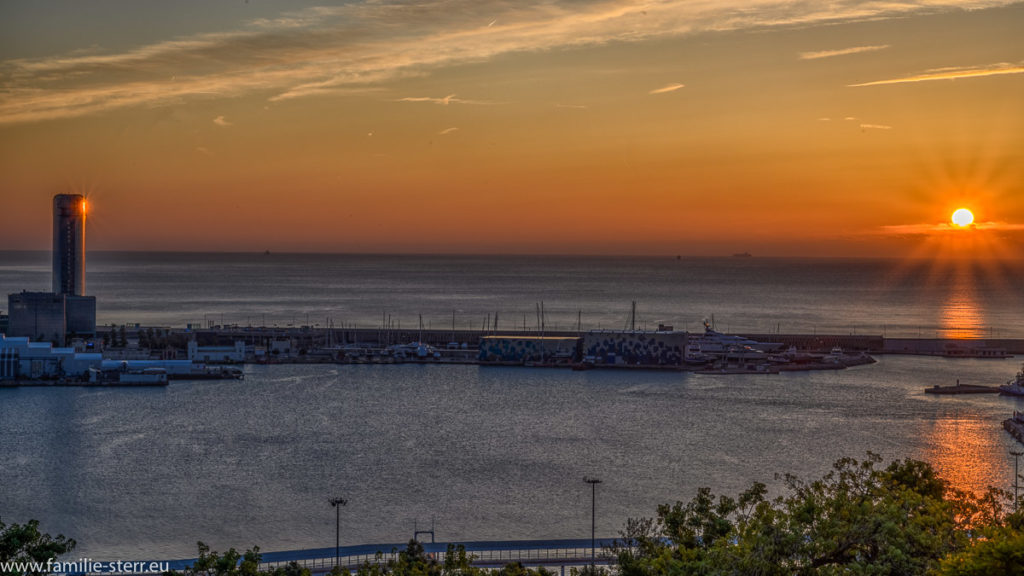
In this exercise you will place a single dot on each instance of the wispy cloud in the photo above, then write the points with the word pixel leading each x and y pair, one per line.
pixel 572 106
pixel 444 101
pixel 364 45
pixel 220 121
pixel 952 74
pixel 669 88
pixel 875 127
pixel 841 52
pixel 447 130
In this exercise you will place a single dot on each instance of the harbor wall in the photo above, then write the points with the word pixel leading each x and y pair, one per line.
pixel 311 338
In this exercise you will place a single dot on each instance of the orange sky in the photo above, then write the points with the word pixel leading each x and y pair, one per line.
pixel 476 126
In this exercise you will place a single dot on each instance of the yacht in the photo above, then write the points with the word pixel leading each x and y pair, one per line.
pixel 716 343
pixel 1014 387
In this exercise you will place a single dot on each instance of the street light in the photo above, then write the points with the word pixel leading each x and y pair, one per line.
pixel 1016 460
pixel 593 518
pixel 337 503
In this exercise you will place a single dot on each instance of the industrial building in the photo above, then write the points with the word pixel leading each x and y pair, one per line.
pixel 66 312
pixel 37 315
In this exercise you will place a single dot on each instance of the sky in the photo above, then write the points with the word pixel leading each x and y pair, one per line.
pixel 699 127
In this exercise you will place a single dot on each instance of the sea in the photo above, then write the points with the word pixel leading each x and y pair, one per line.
pixel 489 453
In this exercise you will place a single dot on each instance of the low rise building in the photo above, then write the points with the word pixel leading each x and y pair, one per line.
pixel 635 348
pixel 217 354
pixel 520 349
pixel 20 358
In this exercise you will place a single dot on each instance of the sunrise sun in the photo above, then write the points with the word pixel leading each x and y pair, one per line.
pixel 962 218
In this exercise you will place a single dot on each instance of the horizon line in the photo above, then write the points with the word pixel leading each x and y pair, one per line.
pixel 732 256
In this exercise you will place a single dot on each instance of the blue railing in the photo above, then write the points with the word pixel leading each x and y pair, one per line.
pixel 482 552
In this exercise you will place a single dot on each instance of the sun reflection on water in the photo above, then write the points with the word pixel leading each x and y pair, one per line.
pixel 962 453
pixel 962 318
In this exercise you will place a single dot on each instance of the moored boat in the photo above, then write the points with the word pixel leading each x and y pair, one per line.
pixel 1014 387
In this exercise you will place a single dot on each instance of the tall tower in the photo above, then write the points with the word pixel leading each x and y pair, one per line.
pixel 69 244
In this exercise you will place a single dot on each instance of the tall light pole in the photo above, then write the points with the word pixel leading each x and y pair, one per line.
pixel 337 503
pixel 1016 460
pixel 593 520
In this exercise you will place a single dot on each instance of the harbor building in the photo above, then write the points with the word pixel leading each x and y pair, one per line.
pixel 21 358
pixel 522 349
pixel 217 354
pixel 635 348
pixel 66 311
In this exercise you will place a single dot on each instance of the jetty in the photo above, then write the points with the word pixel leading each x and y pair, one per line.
pixel 959 388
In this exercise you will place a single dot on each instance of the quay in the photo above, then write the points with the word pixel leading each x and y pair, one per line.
pixel 662 349
pixel 132 355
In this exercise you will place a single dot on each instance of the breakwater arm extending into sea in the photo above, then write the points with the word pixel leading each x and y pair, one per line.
pixel 311 337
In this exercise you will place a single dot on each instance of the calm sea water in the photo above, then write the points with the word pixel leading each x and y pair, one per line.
pixel 891 297
pixel 487 452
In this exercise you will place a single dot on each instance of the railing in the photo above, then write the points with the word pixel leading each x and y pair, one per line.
pixel 551 553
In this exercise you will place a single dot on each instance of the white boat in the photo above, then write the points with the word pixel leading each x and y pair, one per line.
pixel 718 344
pixel 1014 387
pixel 694 355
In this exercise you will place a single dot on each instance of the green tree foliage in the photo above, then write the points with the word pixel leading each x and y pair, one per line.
pixel 858 519
pixel 230 563
pixel 413 561
pixel 998 549
pixel 25 543
pixel 295 569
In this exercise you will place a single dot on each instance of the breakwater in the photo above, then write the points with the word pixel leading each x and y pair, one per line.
pixel 312 337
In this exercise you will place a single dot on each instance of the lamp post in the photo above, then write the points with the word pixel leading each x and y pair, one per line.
pixel 593 520
pixel 1016 460
pixel 337 503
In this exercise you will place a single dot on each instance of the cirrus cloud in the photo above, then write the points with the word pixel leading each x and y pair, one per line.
pixel 667 89
pixel 363 45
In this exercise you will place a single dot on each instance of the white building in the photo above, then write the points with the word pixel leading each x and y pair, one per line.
pixel 21 358
pixel 217 354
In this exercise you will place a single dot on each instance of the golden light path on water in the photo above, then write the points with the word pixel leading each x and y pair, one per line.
pixel 964 455
pixel 962 317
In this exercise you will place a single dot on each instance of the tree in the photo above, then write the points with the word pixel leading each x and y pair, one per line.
pixel 998 548
pixel 25 543
pixel 857 519
pixel 292 568
pixel 231 563
pixel 414 561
